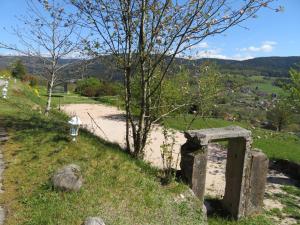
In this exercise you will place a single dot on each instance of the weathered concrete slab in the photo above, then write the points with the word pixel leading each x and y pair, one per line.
pixel 236 177
pixel 258 167
pixel 215 134
pixel 193 166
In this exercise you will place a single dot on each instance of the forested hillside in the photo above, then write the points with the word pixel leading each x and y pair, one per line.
pixel 105 68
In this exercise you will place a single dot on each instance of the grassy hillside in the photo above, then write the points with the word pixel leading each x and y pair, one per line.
pixel 104 68
pixel 116 187
pixel 266 85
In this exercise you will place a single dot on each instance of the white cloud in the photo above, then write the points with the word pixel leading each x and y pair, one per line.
pixel 241 57
pixel 210 53
pixel 200 45
pixel 217 53
pixel 11 53
pixel 266 46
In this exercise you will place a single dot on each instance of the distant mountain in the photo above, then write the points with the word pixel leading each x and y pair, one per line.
pixel 263 66
pixel 105 69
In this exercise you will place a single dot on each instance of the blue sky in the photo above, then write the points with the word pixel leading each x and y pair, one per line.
pixel 271 34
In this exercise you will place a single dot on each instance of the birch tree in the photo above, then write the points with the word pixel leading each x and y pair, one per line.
pixel 145 36
pixel 48 33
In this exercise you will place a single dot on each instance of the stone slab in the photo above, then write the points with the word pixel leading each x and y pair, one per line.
pixel 258 175
pixel 204 136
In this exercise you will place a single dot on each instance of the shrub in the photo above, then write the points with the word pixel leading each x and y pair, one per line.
pixel 93 87
pixel 279 115
pixel 32 80
pixel 5 73
pixel 109 89
pixel 88 87
pixel 18 70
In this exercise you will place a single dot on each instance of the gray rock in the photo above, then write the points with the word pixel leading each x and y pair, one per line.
pixel 93 221
pixel 68 178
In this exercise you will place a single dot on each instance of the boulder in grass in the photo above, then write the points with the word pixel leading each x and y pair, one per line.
pixel 68 178
pixel 93 221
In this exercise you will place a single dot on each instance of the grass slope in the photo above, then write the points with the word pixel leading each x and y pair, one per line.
pixel 116 187
pixel 266 85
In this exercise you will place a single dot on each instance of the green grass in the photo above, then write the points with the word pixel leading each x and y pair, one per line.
pixel 257 220
pixel 180 122
pixel 278 145
pixel 290 199
pixel 61 98
pixel 65 98
pixel 111 100
pixel 266 85
pixel 116 187
pixel 269 88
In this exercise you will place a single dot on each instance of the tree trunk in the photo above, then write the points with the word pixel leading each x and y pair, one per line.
pixel 49 98
pixel 138 140
pixel 280 124
pixel 127 74
pixel 127 108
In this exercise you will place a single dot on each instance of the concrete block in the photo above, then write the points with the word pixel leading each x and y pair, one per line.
pixel 258 167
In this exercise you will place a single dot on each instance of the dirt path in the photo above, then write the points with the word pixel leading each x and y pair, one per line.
pixel 112 123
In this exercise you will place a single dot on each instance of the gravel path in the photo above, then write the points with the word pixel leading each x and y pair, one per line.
pixel 113 127
pixel 112 124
